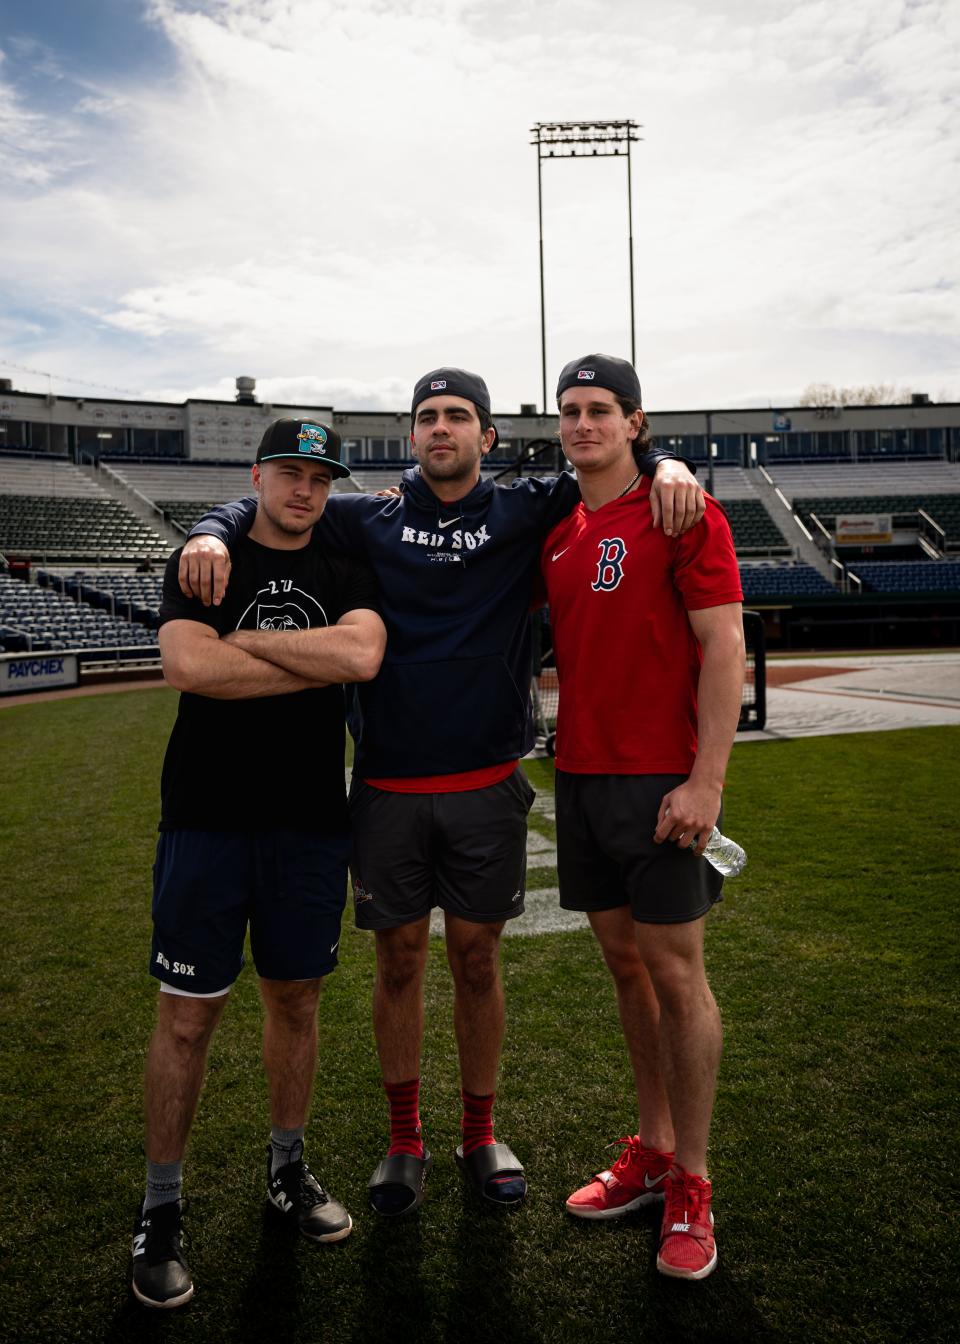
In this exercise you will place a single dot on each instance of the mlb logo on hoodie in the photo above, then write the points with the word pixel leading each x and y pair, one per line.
pixel 586 375
pixel 438 385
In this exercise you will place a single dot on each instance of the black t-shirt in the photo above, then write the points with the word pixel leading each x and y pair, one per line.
pixel 272 762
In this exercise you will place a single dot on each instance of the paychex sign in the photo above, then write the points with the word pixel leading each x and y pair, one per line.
pixel 21 673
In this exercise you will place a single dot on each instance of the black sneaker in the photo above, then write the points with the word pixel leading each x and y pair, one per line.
pixel 160 1274
pixel 295 1191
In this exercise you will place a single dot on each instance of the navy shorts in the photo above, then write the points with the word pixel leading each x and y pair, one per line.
pixel 464 852
pixel 606 856
pixel 290 886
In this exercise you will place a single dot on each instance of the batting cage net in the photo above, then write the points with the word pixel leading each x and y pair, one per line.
pixel 753 701
pixel 753 698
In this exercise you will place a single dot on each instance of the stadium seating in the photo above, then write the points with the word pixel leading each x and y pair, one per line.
pixel 753 528
pixel 865 481
pixel 74 528
pixel 914 576
pixel 42 618
pixel 53 476
pixel 135 597
pixel 943 509
pixel 185 491
pixel 760 582
pixel 895 488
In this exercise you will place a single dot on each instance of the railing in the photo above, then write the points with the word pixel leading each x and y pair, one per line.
pixel 535 452
pixel 758 552
pixel 930 535
pixel 138 494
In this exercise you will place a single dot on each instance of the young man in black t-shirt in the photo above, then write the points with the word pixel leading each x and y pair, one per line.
pixel 253 830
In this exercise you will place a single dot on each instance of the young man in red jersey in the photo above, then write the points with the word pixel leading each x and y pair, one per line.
pixel 648 636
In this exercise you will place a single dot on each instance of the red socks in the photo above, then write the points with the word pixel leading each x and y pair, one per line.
pixel 404 1098
pixel 477 1124
pixel 404 1101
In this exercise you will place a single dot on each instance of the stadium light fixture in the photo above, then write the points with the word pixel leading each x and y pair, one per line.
pixel 581 140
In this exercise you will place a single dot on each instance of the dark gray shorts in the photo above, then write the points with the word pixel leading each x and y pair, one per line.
pixel 606 856
pixel 464 852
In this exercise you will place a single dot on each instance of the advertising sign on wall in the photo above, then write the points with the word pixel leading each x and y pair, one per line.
pixel 23 673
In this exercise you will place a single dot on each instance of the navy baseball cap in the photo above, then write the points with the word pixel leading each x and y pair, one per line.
pixel 303 438
pixel 456 383
pixel 616 375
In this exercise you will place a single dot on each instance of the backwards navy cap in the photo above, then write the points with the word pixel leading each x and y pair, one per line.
pixel 616 375
pixel 455 383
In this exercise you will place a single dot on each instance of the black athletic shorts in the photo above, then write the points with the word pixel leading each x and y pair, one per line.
pixel 464 852
pixel 290 885
pixel 606 856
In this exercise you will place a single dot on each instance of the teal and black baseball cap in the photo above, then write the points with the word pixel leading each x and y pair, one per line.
pixel 303 439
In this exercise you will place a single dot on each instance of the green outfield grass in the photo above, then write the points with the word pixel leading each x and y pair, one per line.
pixel 834 961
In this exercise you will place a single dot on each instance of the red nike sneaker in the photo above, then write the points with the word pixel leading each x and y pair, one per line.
pixel 636 1178
pixel 687 1246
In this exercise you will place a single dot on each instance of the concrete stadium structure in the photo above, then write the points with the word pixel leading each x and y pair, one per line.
pixel 97 427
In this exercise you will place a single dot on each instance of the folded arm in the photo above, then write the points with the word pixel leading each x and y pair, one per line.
pixel 196 659
pixel 351 650
pixel 692 808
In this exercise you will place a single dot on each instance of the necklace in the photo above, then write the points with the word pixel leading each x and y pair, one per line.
pixel 627 488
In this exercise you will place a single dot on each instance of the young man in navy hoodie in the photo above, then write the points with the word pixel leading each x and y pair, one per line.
pixel 438 803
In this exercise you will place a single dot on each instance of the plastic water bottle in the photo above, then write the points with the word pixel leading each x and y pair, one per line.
pixel 726 855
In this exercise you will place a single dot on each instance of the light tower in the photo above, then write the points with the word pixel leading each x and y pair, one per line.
pixel 580 140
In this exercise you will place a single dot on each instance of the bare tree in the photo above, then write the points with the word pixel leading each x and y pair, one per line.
pixel 872 394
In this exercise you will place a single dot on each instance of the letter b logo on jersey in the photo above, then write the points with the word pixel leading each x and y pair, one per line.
pixel 609 566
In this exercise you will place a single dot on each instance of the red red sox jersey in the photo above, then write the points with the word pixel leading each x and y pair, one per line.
pixel 627 658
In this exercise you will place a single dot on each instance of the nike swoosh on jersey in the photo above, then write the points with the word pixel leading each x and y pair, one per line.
pixel 557 554
pixel 445 522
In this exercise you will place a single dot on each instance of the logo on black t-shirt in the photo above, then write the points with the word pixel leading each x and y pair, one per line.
pixel 296 609
pixel 287 617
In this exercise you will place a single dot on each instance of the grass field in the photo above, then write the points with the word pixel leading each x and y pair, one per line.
pixel 834 961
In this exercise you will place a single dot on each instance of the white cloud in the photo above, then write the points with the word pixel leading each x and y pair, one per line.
pixel 351 394
pixel 27 143
pixel 99 106
pixel 348 188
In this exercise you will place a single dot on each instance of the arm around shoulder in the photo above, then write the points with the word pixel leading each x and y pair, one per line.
pixel 205 560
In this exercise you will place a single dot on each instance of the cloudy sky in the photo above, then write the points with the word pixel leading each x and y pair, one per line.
pixel 336 195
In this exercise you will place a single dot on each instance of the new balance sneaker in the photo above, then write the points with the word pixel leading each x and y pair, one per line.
pixel 160 1274
pixel 636 1178
pixel 687 1246
pixel 295 1191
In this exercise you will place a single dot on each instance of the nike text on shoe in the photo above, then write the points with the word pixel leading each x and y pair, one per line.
pixel 160 1274
pixel 636 1178
pixel 687 1246
pixel 295 1191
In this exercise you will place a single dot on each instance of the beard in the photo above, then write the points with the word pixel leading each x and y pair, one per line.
pixel 458 465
